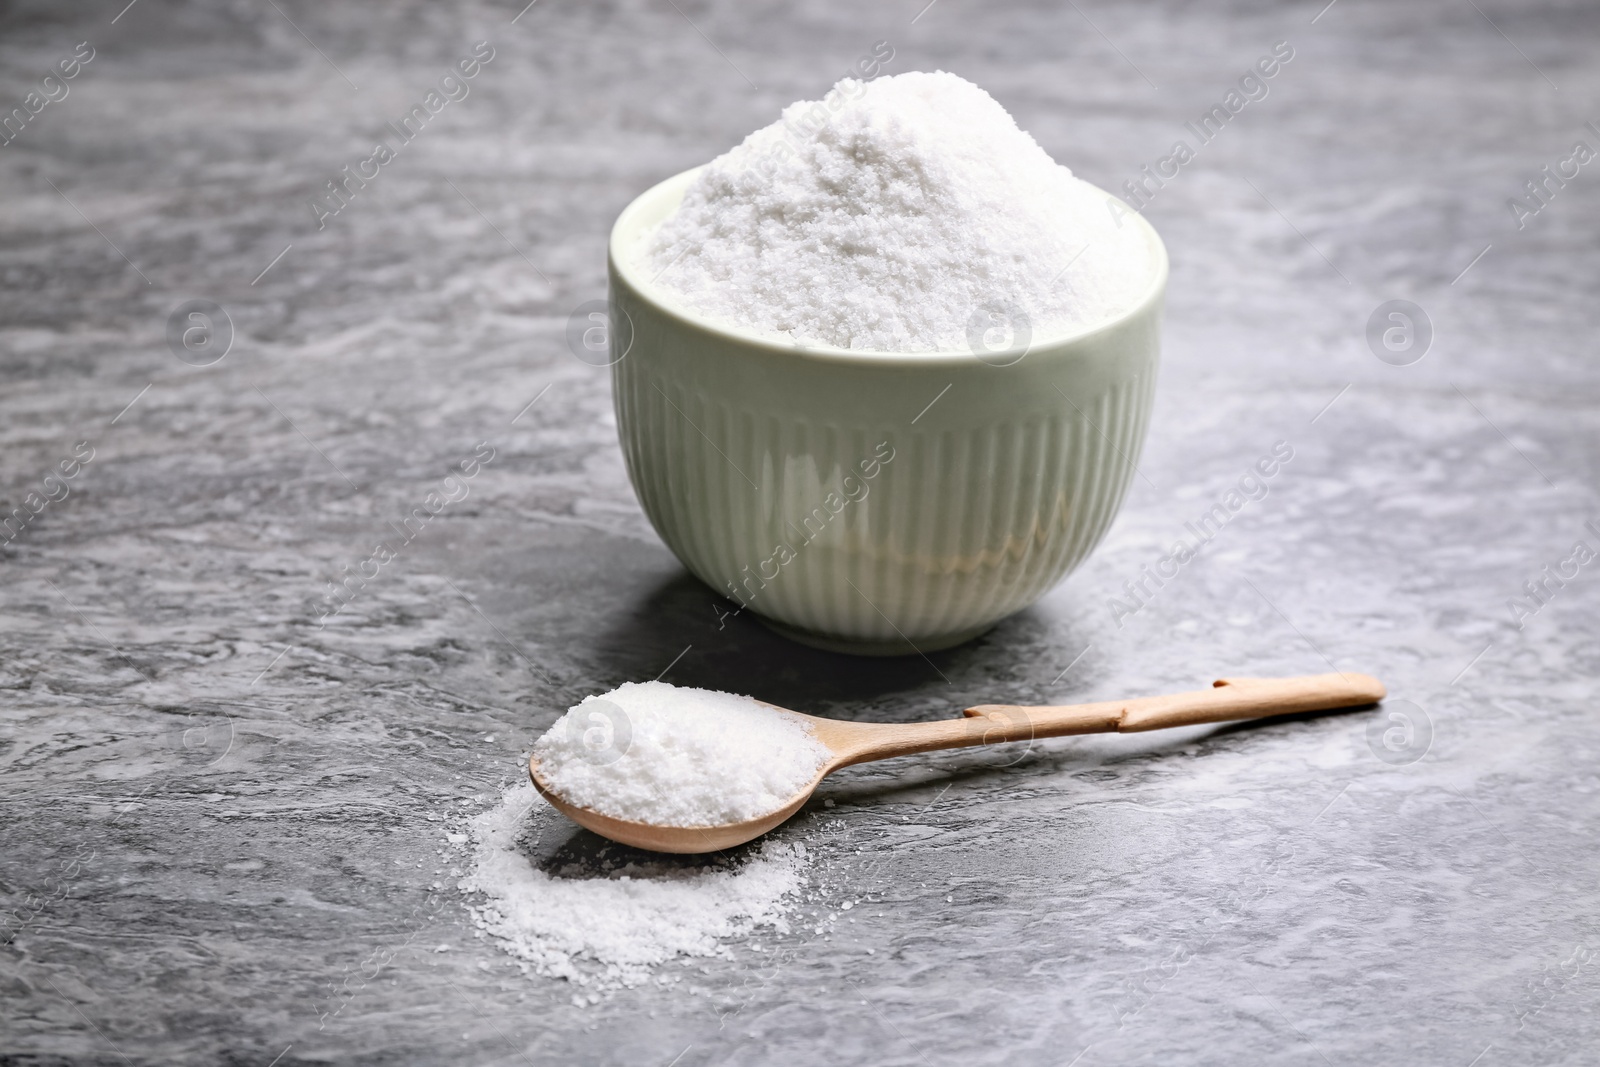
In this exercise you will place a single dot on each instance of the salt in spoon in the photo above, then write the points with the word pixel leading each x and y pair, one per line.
pixel 1228 699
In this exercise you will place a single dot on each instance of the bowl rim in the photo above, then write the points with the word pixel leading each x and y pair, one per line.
pixel 628 228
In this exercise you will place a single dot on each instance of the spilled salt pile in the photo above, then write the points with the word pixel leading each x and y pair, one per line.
pixel 611 928
pixel 905 214
pixel 652 752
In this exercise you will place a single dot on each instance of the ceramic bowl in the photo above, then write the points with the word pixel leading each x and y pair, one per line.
pixel 869 502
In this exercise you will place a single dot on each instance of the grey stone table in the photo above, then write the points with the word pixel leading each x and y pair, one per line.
pixel 217 814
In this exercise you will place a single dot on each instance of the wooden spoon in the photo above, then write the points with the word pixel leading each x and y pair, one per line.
pixel 861 742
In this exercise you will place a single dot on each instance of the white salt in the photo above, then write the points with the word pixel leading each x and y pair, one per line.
pixel 652 752
pixel 603 929
pixel 898 215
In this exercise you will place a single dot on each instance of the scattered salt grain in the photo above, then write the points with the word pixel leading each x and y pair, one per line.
pixel 656 753
pixel 898 215
pixel 605 929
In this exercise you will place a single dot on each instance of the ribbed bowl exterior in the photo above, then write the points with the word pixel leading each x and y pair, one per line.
pixel 877 504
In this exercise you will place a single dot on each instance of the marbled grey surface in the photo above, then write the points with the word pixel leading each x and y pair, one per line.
pixel 222 824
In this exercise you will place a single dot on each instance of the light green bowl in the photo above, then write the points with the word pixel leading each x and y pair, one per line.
pixel 819 489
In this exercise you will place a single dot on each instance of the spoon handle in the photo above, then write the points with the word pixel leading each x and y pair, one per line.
pixel 1228 699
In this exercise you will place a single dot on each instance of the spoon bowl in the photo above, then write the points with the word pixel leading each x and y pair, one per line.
pixel 1228 699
